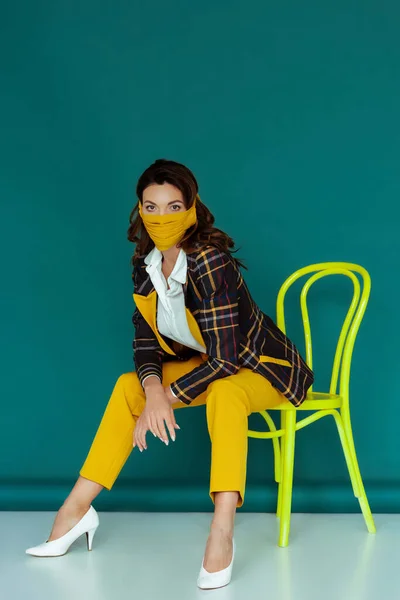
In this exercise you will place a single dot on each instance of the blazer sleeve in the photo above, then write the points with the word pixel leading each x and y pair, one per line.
pixel 219 323
pixel 147 352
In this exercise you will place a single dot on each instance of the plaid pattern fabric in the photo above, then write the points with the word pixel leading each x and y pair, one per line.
pixel 236 332
pixel 148 355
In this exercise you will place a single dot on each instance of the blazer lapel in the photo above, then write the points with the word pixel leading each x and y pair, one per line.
pixel 146 303
pixel 147 306
pixel 194 327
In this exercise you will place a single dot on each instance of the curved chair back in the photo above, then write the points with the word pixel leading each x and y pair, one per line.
pixel 351 324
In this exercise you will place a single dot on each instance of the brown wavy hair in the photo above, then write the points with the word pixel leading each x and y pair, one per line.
pixel 200 235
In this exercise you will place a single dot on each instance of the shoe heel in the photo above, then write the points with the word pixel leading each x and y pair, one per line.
pixel 89 537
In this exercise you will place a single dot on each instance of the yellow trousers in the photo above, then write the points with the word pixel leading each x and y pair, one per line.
pixel 229 402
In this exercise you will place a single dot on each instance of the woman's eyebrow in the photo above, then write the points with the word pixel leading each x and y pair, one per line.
pixel 172 202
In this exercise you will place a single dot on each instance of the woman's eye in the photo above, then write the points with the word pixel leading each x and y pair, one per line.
pixel 151 208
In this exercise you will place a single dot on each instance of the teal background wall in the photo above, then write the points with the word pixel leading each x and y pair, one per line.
pixel 289 116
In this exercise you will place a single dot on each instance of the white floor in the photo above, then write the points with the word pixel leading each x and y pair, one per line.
pixel 158 556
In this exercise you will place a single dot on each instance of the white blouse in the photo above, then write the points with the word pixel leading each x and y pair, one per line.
pixel 171 314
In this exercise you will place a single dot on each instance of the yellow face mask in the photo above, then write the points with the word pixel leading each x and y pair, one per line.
pixel 168 230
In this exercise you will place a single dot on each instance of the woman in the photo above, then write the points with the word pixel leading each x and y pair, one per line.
pixel 199 339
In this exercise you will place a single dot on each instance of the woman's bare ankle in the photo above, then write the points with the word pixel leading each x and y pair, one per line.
pixel 222 527
pixel 224 515
pixel 75 506
pixel 82 495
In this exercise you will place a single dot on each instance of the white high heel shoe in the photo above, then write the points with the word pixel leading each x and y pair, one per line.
pixel 209 581
pixel 88 524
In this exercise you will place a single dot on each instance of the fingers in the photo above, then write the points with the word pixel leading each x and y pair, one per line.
pixel 161 427
pixel 154 425
pixel 135 435
pixel 158 425
pixel 150 425
pixel 170 424
pixel 141 440
pixel 169 420
pixel 172 417
pixel 137 439
pixel 157 422
pixel 139 435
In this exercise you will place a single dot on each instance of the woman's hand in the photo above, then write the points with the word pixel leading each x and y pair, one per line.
pixel 156 414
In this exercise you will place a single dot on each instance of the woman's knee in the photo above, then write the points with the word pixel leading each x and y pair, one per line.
pixel 129 380
pixel 221 383
pixel 225 391
pixel 129 388
pixel 222 389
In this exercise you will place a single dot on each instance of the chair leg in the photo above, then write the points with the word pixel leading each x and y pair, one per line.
pixel 287 477
pixel 355 474
pixel 282 443
pixel 347 453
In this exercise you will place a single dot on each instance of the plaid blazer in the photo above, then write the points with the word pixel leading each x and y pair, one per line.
pixel 223 317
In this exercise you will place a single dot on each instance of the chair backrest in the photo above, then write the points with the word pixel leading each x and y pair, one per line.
pixel 352 321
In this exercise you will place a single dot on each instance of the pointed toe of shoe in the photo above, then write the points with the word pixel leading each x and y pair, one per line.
pixel 88 524
pixel 45 549
pixel 210 581
pixel 35 550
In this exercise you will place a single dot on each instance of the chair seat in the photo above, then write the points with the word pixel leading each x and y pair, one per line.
pixel 314 401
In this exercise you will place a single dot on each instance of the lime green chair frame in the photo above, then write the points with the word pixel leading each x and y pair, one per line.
pixel 335 403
